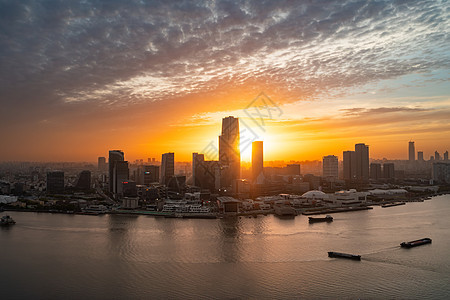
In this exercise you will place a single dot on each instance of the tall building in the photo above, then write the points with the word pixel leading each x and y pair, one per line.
pixel 229 152
pixel 446 155
pixel 375 171
pixel 388 171
pixel 101 164
pixel 411 151
pixel 145 175
pixel 84 180
pixel 167 167
pixel 204 172
pixel 55 182
pixel 420 156
pixel 441 172
pixel 362 162
pixel 197 164
pixel 114 156
pixel 437 156
pixel 120 175
pixel 349 158
pixel 257 162
pixel 330 166
pixel 292 169
pixel 356 163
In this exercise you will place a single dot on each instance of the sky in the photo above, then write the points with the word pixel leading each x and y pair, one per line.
pixel 309 78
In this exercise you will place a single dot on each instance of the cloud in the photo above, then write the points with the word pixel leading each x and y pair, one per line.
pixel 148 51
pixel 86 59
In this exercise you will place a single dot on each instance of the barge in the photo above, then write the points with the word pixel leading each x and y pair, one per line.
pixel 328 218
pixel 344 255
pixel 393 204
pixel 416 243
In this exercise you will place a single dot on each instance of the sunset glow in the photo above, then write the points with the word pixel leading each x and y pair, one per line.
pixel 148 78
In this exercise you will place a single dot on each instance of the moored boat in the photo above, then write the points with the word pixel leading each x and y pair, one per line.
pixel 393 204
pixel 416 243
pixel 6 221
pixel 344 255
pixel 328 218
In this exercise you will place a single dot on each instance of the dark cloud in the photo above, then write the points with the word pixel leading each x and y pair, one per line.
pixel 123 52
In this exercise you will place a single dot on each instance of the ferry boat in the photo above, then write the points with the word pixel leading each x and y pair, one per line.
pixel 328 218
pixel 416 243
pixel 6 221
pixel 344 255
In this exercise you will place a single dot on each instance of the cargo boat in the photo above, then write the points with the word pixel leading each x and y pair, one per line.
pixel 393 204
pixel 344 255
pixel 416 243
pixel 328 218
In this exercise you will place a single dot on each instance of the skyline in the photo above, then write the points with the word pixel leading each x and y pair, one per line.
pixel 151 78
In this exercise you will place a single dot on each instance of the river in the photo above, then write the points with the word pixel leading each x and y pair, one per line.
pixel 54 256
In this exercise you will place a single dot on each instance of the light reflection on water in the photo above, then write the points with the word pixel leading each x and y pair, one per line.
pixel 117 256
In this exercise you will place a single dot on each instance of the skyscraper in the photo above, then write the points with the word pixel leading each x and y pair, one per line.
pixel 375 171
pixel 330 165
pixel 84 180
pixel 204 172
pixel 114 156
pixel 356 163
pixel 257 162
pixel 167 167
pixel 55 182
pixel 101 164
pixel 349 165
pixel 420 156
pixel 411 152
pixel 362 162
pixel 120 175
pixel 437 156
pixel 229 152
pixel 446 155
pixel 388 171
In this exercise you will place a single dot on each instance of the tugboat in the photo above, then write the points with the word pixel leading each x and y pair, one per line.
pixel 416 243
pixel 344 255
pixel 328 218
pixel 6 221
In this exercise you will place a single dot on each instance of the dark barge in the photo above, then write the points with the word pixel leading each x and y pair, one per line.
pixel 416 243
pixel 344 255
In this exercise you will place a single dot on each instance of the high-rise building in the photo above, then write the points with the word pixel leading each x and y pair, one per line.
pixel 388 171
pixel 197 164
pixel 411 151
pixel 437 156
pixel 292 169
pixel 55 182
pixel 420 156
pixel 204 172
pixel 257 162
pixel 349 158
pixel 167 167
pixel 229 152
pixel 446 155
pixel 375 171
pixel 147 174
pixel 114 156
pixel 84 180
pixel 101 164
pixel 120 175
pixel 441 172
pixel 362 162
pixel 330 166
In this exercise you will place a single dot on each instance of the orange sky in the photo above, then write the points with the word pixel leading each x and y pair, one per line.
pixel 160 78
